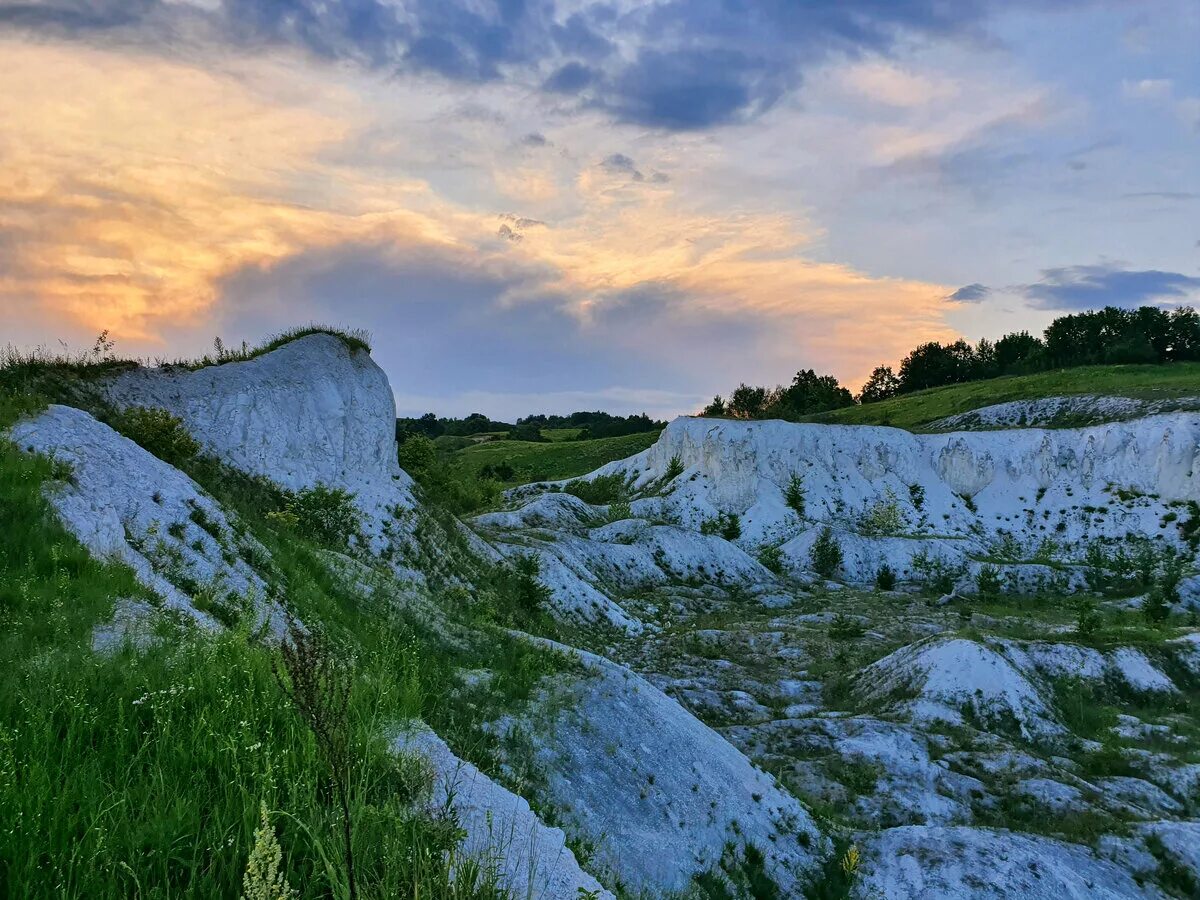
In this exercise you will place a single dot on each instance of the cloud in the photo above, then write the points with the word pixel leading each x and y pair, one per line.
pixel 620 164
pixel 1096 286
pixel 970 293
pixel 570 79
pixel 682 64
pixel 1147 89
pixel 166 200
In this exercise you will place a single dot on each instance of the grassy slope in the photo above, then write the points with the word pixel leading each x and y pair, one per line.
pixel 141 773
pixel 553 460
pixel 913 411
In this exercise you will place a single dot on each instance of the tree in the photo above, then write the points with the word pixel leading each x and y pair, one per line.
pixel 1018 352
pixel 747 402
pixel 826 555
pixel 882 384
pixel 716 408
pixel 810 393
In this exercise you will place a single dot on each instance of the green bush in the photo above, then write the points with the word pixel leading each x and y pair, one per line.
pixel 885 578
pixel 794 494
pixel 826 556
pixel 727 525
pixel 843 628
pixel 674 468
pixel 620 511
pixel 158 432
pixel 325 515
pixel 987 583
pixel 938 574
pixel 1088 621
pixel 771 558
pixel 417 454
pixel 599 491
pixel 883 517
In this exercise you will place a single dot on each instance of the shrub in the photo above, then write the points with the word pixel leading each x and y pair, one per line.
pixel 727 525
pixel 324 514
pixel 417 454
pixel 883 517
pixel 826 556
pixel 938 573
pixel 987 583
pixel 795 493
pixel 771 558
pixel 523 596
pixel 619 511
pixel 500 471
pixel 1088 621
pixel 844 628
pixel 885 578
pixel 599 491
pixel 158 432
pixel 674 468
pixel 916 493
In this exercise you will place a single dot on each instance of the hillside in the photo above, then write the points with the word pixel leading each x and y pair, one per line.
pixel 917 411
pixel 749 660
pixel 559 457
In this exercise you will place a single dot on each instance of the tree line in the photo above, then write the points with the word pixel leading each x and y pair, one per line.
pixel 594 424
pixel 1108 336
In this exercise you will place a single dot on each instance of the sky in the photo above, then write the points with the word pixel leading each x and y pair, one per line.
pixel 549 205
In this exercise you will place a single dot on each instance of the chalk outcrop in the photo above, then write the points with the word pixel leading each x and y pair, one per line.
pixel 313 411
pixel 659 793
pixel 923 504
pixel 122 502
pixel 504 836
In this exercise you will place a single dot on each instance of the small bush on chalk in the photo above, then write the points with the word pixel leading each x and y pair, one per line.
pixel 158 432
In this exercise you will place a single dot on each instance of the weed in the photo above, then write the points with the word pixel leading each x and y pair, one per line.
pixel 318 685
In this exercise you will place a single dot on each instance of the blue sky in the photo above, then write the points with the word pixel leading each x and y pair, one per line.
pixel 541 206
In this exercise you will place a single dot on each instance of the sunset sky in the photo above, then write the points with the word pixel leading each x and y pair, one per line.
pixel 540 206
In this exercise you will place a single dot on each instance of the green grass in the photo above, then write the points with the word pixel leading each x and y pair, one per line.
pixel 141 774
pixel 913 411
pixel 553 460
pixel 561 434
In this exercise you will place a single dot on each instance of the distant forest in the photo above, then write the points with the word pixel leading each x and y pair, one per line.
pixel 1108 336
pixel 594 424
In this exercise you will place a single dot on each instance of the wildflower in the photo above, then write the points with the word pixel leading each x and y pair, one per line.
pixel 263 879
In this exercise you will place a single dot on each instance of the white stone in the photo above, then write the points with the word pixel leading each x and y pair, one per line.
pixel 503 834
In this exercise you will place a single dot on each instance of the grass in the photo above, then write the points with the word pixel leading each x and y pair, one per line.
pixel 142 773
pixel 552 460
pixel 914 411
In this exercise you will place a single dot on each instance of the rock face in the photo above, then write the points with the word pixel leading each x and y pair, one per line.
pixel 927 505
pixel 943 677
pixel 123 502
pixel 931 863
pixel 313 411
pixel 660 794
pixel 503 834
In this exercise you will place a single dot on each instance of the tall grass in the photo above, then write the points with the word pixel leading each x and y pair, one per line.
pixel 142 773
